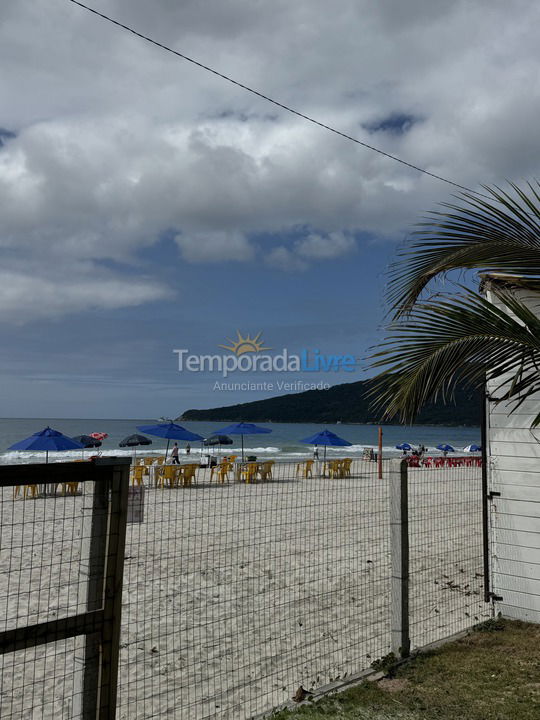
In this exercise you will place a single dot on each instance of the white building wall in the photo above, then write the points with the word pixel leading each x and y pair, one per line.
pixel 514 471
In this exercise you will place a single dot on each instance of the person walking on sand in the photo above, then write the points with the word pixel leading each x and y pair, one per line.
pixel 188 449
pixel 174 455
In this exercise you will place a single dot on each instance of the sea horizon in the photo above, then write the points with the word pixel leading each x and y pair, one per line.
pixel 284 442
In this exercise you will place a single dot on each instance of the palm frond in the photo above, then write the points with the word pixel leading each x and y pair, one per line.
pixel 460 339
pixel 502 235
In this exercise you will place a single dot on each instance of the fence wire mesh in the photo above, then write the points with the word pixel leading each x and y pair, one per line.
pixel 41 544
pixel 239 589
pixel 61 550
pixel 39 682
pixel 446 559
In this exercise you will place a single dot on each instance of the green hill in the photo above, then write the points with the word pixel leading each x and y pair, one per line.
pixel 347 403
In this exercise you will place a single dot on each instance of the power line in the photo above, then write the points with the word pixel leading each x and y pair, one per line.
pixel 274 102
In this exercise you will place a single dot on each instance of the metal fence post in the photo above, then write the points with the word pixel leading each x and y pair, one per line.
pixel 399 548
pixel 103 541
pixel 112 604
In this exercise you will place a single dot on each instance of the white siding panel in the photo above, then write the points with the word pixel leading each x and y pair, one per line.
pixel 515 421
pixel 519 538
pixel 518 599
pixel 517 554
pixel 527 408
pixel 514 471
pixel 514 463
pixel 521 585
pixel 517 492
pixel 513 477
pixel 502 506
pixel 516 435
pixel 517 613
pixel 516 450
pixel 516 522
pixel 530 571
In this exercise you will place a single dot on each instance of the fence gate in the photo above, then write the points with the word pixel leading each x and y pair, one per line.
pixel 62 537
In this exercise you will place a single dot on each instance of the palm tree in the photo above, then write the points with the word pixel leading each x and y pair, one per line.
pixel 435 342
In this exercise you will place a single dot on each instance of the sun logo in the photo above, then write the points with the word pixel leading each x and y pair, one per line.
pixel 246 344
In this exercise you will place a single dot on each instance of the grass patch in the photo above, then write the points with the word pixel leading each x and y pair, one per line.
pixel 492 674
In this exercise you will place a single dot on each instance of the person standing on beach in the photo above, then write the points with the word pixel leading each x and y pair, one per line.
pixel 188 449
pixel 174 455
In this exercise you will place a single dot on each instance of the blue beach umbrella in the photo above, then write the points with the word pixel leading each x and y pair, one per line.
pixel 170 431
pixel 325 437
pixel 445 447
pixel 404 446
pixel 47 440
pixel 242 429
pixel 472 448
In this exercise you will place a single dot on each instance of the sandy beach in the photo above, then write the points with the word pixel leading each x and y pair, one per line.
pixel 235 595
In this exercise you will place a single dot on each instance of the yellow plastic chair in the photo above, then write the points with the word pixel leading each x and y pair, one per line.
pixel 169 474
pixel 333 468
pixel 222 471
pixel 188 473
pixel 137 475
pixel 249 472
pixel 70 488
pixel 265 469
pixel 232 458
pixel 305 468
pixel 346 467
pixel 31 490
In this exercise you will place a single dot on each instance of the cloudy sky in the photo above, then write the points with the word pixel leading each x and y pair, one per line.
pixel 148 205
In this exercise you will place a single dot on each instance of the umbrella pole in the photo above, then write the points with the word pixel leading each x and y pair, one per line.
pixel 167 450
pixel 242 447
pixel 44 487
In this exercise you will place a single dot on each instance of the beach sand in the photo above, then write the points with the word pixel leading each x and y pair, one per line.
pixel 235 595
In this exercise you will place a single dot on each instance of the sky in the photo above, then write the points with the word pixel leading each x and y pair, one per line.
pixel 147 205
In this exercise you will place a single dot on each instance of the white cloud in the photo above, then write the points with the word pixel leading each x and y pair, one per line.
pixel 118 140
pixel 24 297
pixel 325 247
pixel 215 247
pixel 282 258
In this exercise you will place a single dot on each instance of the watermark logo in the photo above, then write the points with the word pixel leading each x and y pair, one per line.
pixel 246 354
pixel 246 344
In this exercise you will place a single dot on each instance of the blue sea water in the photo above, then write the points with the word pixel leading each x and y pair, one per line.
pixel 282 443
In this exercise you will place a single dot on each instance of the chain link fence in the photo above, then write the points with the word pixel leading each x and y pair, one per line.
pixel 239 587
pixel 446 557
pixel 236 593
pixel 61 555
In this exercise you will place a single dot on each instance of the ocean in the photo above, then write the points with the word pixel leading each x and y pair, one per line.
pixel 282 443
